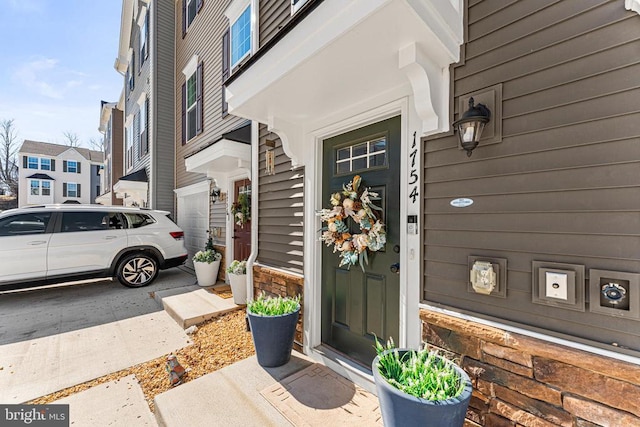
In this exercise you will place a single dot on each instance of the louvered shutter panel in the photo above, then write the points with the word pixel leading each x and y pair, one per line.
pixel 146 126
pixel 184 113
pixel 64 166
pixel 64 189
pixel 184 18
pixel 199 5
pixel 78 170
pixel 225 70
pixel 199 110
pixel 136 133
pixel 78 192
pixel 25 162
pixel 53 165
pixel 146 35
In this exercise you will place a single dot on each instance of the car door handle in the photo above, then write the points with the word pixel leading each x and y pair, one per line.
pixel 110 237
pixel 37 242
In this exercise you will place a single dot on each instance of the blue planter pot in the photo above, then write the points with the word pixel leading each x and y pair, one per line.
pixel 403 410
pixel 273 337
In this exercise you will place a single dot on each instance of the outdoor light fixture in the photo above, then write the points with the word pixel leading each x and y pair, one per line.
pixel 215 192
pixel 471 125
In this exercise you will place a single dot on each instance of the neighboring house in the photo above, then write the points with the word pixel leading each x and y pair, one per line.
pixel 146 60
pixel 547 204
pixel 112 131
pixel 54 173
pixel 213 148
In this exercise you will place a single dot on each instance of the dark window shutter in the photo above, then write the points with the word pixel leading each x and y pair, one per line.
pixel 25 161
pixel 184 113
pixel 146 31
pixel 78 169
pixel 136 133
pixel 64 189
pixel 78 192
pixel 225 69
pixel 199 5
pixel 184 18
pixel 64 166
pixel 146 126
pixel 53 165
pixel 199 110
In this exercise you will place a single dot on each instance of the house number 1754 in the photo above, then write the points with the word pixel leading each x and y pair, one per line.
pixel 413 175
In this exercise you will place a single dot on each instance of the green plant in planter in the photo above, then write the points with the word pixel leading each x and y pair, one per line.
pixel 424 374
pixel 270 306
pixel 208 256
pixel 237 267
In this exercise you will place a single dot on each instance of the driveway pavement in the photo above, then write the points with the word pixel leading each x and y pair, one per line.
pixel 58 337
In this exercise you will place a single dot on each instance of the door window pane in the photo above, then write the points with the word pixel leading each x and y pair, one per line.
pixel 84 221
pixel 361 156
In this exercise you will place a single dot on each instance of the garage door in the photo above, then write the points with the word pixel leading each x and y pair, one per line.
pixel 193 218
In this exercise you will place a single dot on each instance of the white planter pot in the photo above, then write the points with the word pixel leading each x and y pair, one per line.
pixel 238 284
pixel 207 274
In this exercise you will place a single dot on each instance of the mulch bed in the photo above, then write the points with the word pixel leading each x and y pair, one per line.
pixel 217 343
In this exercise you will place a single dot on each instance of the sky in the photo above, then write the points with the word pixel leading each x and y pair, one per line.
pixel 56 65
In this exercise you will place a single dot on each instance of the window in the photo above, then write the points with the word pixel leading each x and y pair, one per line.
pixel 144 35
pixel 297 5
pixel 89 221
pixel 35 187
pixel 33 162
pixel 192 89
pixel 131 82
pixel 190 8
pixel 241 37
pixel 45 164
pixel 137 220
pixel 72 189
pixel 72 166
pixel 46 188
pixel 361 156
pixel 128 147
pixel 22 224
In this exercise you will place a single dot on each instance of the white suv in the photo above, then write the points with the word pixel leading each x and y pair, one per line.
pixel 42 245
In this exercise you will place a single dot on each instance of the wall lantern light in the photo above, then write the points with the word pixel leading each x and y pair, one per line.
pixel 215 192
pixel 471 125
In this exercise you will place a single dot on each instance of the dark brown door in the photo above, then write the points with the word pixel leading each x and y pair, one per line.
pixel 242 233
pixel 357 305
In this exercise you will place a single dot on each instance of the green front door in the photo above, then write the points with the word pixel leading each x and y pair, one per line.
pixel 357 305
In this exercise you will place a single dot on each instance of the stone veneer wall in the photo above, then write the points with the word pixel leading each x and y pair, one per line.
pixel 523 381
pixel 278 283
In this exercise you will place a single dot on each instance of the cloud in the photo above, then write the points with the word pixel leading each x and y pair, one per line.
pixel 47 78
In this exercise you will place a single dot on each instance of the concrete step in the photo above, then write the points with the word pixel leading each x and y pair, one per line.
pixel 228 397
pixel 191 305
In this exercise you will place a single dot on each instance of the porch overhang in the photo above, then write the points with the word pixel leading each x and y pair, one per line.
pixel 333 64
pixel 221 158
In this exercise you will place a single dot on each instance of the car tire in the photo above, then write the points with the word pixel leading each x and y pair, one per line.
pixel 137 270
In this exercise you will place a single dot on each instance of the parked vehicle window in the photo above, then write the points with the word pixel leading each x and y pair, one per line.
pixel 90 221
pixel 137 220
pixel 32 223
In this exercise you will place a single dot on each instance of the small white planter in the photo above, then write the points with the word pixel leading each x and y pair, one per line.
pixel 207 274
pixel 238 284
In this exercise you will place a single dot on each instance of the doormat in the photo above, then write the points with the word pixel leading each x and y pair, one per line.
pixel 317 396
pixel 223 291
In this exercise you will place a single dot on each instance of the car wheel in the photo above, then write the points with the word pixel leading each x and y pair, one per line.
pixel 137 270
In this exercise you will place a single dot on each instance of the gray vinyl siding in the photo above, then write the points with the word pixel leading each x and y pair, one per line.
pixel 564 183
pixel 273 15
pixel 280 210
pixel 162 105
pixel 204 38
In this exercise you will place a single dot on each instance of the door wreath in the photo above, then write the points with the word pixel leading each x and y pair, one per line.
pixel 355 202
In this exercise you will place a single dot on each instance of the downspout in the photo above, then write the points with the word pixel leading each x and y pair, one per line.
pixel 255 171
